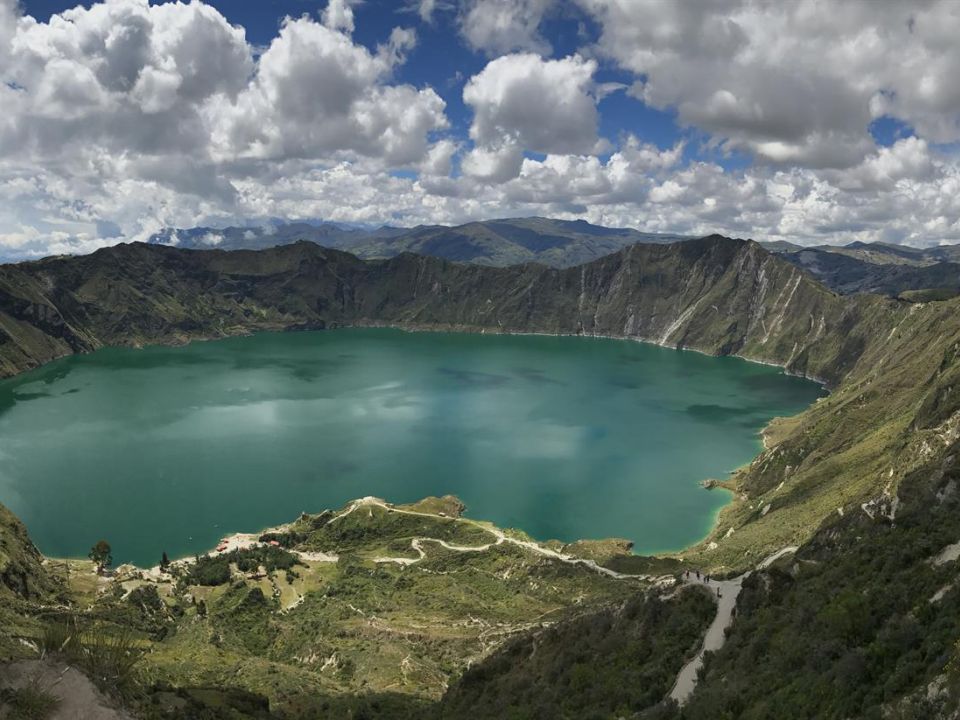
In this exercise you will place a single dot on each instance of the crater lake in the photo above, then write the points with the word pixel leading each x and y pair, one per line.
pixel 170 448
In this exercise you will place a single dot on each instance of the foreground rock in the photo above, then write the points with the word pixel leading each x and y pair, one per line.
pixel 75 696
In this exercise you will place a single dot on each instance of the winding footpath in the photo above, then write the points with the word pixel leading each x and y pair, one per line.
pixel 726 592
pixel 501 538
pixel 729 590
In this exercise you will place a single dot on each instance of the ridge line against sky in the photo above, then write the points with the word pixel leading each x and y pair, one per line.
pixel 808 121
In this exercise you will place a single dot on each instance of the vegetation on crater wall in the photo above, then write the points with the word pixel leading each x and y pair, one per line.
pixel 858 623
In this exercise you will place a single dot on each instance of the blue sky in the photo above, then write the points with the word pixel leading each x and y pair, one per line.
pixel 443 61
pixel 785 122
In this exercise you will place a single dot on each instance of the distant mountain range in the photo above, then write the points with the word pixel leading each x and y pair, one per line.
pixel 556 243
pixel 882 268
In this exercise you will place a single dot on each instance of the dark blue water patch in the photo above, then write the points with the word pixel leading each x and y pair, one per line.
pixel 474 378
pixel 534 375
pixel 719 413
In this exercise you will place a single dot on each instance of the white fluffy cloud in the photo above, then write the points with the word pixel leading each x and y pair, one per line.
pixel 318 94
pixel 497 27
pixel 523 102
pixel 126 117
pixel 792 82
pixel 122 77
pixel 136 114
pixel 338 15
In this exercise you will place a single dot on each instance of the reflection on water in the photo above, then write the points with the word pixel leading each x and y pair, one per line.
pixel 563 437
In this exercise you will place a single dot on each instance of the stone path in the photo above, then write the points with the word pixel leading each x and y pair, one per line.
pixel 686 681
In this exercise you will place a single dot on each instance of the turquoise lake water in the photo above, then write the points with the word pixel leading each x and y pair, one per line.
pixel 169 449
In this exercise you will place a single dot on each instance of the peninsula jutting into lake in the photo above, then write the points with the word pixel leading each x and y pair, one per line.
pixel 566 438
pixel 479 360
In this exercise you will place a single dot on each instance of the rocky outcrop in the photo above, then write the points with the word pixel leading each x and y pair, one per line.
pixel 21 565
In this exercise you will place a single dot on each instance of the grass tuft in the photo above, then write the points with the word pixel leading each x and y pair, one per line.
pixel 30 702
pixel 109 659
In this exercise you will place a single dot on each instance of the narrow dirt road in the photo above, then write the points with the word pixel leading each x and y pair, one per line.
pixel 714 638
pixel 726 592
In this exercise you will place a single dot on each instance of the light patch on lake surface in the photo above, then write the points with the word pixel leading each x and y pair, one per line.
pixel 166 449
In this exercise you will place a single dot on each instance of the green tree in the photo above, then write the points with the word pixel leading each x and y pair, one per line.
pixel 164 561
pixel 201 609
pixel 100 554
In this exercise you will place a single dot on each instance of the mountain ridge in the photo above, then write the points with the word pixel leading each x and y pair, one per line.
pixel 499 242
pixel 60 294
pixel 716 295
pixel 874 460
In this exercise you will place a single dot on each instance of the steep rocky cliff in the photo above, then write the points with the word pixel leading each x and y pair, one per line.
pixel 891 364
pixel 715 294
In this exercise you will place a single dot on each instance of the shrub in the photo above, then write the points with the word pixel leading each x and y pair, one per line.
pixel 28 703
pixel 109 659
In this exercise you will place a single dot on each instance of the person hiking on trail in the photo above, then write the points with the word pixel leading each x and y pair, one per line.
pixel 698 574
pixel 718 592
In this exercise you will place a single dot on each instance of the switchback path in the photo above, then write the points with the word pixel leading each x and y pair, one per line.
pixel 726 593
pixel 500 538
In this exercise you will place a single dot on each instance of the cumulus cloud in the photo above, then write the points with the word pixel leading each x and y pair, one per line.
pixel 907 160
pixel 318 94
pixel 122 76
pixel 497 27
pixel 523 102
pixel 338 15
pixel 139 114
pixel 796 82
pixel 123 118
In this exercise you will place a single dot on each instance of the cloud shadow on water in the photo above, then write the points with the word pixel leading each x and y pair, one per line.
pixel 721 413
pixel 535 376
pixel 473 377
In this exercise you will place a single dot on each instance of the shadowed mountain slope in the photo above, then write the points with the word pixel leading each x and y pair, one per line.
pixel 715 295
pixel 558 243
pixel 895 275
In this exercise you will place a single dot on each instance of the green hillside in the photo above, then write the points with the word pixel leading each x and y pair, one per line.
pixel 857 621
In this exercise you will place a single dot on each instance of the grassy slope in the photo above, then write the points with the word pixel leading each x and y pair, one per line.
pixel 859 623
pixel 332 636
pixel 716 295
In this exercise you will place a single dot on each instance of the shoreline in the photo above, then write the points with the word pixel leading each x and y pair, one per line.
pixel 476 330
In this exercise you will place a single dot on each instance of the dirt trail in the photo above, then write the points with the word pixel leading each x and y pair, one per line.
pixel 243 541
pixel 726 592
pixel 500 536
